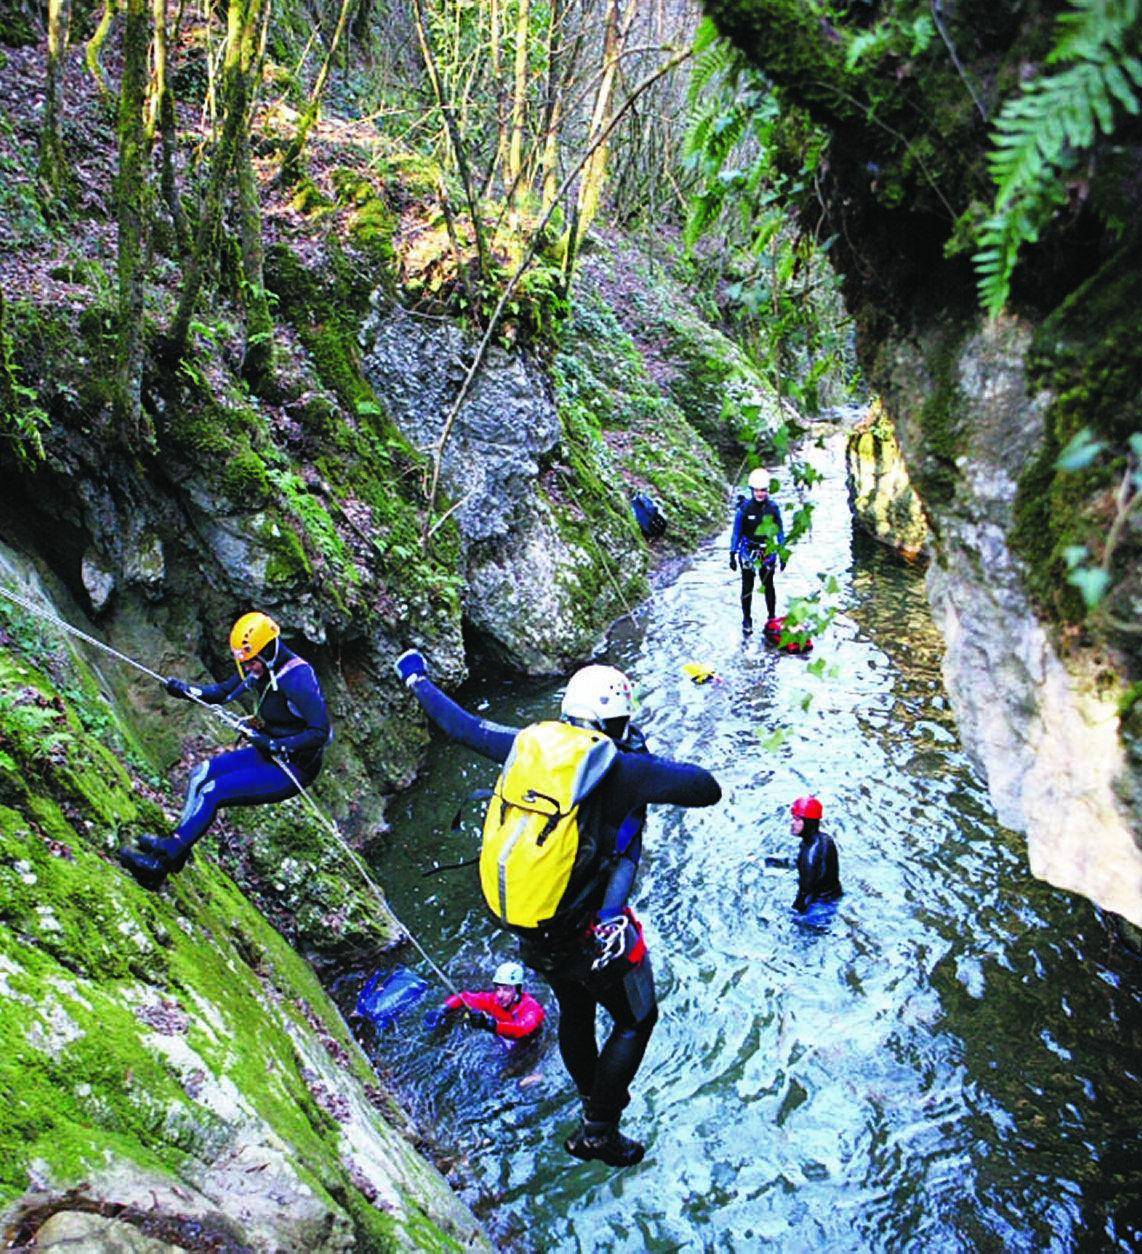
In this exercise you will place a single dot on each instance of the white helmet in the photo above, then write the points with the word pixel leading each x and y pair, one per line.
pixel 759 478
pixel 509 973
pixel 597 694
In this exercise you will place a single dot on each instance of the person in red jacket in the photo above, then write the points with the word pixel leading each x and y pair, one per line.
pixel 505 1009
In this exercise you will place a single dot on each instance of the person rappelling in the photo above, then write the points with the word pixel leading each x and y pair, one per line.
pixel 561 845
pixel 283 755
pixel 756 546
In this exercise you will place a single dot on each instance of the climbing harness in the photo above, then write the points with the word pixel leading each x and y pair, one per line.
pixel 240 726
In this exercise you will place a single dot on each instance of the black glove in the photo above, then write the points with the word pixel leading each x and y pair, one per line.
pixel 179 688
pixel 265 744
pixel 481 1021
pixel 733 561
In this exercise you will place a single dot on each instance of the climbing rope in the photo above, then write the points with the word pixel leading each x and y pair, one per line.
pixel 239 725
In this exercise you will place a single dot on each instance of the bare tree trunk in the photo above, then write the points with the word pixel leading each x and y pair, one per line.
pixel 244 22
pixel 519 105
pixel 499 161
pixel 54 173
pixel 291 162
pixel 454 136
pixel 161 116
pixel 594 173
pixel 553 107
pixel 132 197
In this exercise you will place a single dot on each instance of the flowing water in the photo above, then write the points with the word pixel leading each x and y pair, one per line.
pixel 948 1058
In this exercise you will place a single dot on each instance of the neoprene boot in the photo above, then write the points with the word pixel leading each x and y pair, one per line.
pixel 604 1142
pixel 148 869
pixel 152 862
pixel 161 848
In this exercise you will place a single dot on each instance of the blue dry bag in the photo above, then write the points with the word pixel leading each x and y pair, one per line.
pixel 648 514
pixel 386 994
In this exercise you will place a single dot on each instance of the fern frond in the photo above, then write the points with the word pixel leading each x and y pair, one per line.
pixel 1041 133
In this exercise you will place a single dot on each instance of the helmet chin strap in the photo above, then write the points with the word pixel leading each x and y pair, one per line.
pixel 270 663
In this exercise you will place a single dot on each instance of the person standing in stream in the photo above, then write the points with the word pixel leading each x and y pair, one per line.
pixel 591 950
pixel 755 546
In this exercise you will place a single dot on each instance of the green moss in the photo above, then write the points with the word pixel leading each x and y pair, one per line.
pixel 1088 353
pixel 289 565
pixel 96 973
pixel 308 198
pixel 941 420
pixel 246 480
pixel 316 524
pixel 605 397
pixel 372 224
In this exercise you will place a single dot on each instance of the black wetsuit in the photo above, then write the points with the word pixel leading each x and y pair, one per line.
pixel 756 552
pixel 818 869
pixel 563 956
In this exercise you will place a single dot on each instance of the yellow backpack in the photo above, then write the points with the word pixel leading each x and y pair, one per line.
pixel 532 840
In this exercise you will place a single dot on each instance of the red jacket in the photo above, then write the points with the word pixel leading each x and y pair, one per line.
pixel 520 1020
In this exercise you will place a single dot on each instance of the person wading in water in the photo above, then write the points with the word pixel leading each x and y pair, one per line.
pixel 757 536
pixel 584 940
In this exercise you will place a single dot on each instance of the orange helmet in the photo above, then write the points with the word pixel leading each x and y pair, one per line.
pixel 806 808
pixel 250 635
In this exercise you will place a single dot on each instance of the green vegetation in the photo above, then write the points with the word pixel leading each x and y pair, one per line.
pixel 98 975
pixel 1041 135
pixel 1088 354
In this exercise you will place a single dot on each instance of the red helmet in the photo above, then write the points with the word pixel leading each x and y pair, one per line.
pixel 806 808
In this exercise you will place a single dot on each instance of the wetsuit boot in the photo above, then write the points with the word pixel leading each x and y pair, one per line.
pixel 153 861
pixel 152 844
pixel 603 1141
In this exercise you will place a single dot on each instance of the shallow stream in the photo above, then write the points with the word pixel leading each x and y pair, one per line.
pixel 948 1058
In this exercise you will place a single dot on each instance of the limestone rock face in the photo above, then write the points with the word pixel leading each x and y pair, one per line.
pixel 884 501
pixel 520 570
pixel 1038 725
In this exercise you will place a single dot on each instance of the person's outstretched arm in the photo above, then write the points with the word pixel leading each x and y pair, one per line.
pixel 492 740
pixel 646 779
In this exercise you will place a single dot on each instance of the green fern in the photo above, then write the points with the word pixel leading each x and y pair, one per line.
pixel 1041 134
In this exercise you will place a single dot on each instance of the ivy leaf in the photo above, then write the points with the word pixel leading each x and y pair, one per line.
pixel 1075 555
pixel 775 741
pixel 1080 452
pixel 1092 582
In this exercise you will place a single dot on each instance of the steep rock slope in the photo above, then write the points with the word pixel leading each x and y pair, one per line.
pixel 168 1060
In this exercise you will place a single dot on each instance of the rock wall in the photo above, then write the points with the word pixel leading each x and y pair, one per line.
pixel 883 498
pixel 1044 728
pixel 1049 693
pixel 540 463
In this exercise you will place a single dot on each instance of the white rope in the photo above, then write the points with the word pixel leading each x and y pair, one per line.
pixel 239 725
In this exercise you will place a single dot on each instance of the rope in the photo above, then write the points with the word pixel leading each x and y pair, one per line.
pixel 239 726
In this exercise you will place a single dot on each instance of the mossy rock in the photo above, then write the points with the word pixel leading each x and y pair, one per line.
pixel 1088 353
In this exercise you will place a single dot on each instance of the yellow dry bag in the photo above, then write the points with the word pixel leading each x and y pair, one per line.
pixel 532 842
